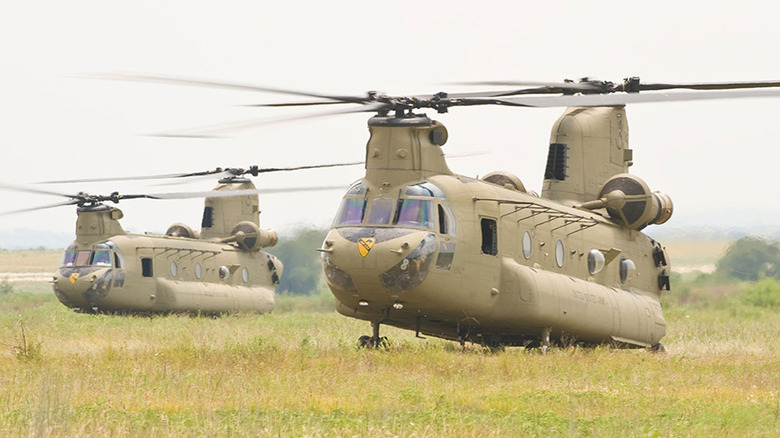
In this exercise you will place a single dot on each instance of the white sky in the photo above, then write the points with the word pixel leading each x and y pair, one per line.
pixel 714 158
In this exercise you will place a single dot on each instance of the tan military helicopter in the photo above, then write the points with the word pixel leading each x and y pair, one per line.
pixel 222 268
pixel 416 246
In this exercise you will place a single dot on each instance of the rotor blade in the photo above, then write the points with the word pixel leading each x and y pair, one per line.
pixel 315 166
pixel 229 193
pixel 42 207
pixel 225 129
pixel 213 173
pixel 16 188
pixel 623 99
pixel 176 80
pixel 539 87
pixel 710 85
pixel 286 104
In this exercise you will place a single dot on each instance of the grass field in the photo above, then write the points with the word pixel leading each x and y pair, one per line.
pixel 297 372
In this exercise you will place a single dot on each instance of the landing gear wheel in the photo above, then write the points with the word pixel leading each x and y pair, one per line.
pixel 369 342
pixel 374 341
pixel 658 348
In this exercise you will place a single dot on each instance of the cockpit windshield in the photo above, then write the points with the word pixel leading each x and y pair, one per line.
pixel 415 205
pixel 105 254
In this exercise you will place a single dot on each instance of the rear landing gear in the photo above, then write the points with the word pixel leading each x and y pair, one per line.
pixel 374 341
pixel 658 348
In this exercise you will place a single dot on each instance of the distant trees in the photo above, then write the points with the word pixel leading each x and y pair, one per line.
pixel 302 266
pixel 751 258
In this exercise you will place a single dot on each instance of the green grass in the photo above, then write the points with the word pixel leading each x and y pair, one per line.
pixel 297 372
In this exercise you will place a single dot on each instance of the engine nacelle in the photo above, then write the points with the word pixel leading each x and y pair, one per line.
pixel 250 237
pixel 630 203
pixel 505 179
pixel 182 230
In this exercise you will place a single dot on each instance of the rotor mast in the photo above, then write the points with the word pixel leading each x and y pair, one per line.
pixel 402 149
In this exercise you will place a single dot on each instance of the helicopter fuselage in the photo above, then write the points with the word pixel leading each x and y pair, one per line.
pixel 221 269
pixel 482 260
pixel 503 271
pixel 140 273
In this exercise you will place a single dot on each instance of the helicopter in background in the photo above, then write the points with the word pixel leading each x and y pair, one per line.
pixel 419 247
pixel 222 268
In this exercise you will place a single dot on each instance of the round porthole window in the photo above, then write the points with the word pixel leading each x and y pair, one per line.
pixel 224 272
pixel 559 253
pixel 245 275
pixel 596 261
pixel 527 245
pixel 198 270
pixel 174 269
pixel 627 269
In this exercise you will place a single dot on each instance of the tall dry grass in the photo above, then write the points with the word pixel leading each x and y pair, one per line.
pixel 297 372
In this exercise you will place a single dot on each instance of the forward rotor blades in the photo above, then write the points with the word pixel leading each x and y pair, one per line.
pixel 176 80
pixel 226 129
pixel 586 92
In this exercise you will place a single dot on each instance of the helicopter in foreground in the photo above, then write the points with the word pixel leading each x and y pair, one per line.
pixel 222 268
pixel 419 247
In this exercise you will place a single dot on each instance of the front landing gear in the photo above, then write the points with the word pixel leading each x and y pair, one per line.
pixel 374 341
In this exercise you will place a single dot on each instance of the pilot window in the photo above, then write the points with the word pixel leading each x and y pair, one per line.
pixel 69 258
pixel 82 258
pixel 489 237
pixel 146 267
pixel 101 258
pixel 414 212
pixel 380 211
pixel 351 211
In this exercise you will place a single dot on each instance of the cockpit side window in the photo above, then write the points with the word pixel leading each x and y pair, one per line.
pixel 414 212
pixel 101 257
pixel 351 211
pixel 69 258
pixel 446 220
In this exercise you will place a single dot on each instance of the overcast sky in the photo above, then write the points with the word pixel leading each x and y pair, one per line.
pixel 715 159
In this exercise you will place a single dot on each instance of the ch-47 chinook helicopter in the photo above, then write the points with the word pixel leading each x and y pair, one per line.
pixel 222 268
pixel 416 246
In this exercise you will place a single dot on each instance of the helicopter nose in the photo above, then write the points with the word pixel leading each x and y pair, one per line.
pixel 389 261
pixel 78 287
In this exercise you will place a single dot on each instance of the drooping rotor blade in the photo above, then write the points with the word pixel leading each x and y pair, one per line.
pixel 225 129
pixel 16 188
pixel 176 80
pixel 623 99
pixel 42 207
